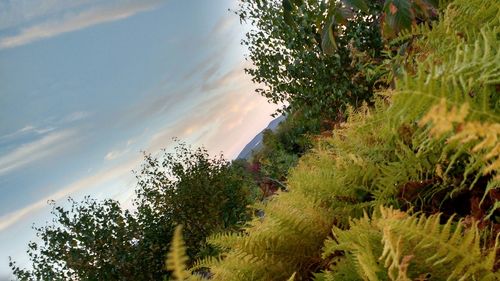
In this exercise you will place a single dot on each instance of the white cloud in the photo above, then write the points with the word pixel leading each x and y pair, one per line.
pixel 30 152
pixel 131 141
pixel 76 21
pixel 26 129
pixel 123 149
pixel 226 122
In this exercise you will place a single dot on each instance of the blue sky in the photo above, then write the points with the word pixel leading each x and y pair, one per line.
pixel 85 85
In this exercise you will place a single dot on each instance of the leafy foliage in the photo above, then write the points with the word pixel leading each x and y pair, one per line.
pixel 395 17
pixel 204 194
pixel 101 241
pixel 94 241
pixel 282 148
pixel 286 47
pixel 422 157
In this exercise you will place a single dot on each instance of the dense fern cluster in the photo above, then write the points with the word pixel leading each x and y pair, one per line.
pixel 428 148
pixel 395 246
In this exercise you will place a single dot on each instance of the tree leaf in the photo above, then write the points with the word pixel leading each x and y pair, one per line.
pixel 358 4
pixel 398 16
pixel 287 12
pixel 342 14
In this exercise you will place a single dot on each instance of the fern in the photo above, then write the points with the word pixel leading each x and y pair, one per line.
pixel 177 258
pixel 484 136
pixel 454 253
pixel 362 242
pixel 431 137
pixel 283 242
pixel 411 247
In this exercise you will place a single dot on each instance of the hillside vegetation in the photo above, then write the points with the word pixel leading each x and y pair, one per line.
pixel 407 188
pixel 387 166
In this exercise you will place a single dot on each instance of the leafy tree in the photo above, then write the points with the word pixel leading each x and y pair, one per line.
pixel 94 240
pixel 287 47
pixel 190 188
pixel 395 17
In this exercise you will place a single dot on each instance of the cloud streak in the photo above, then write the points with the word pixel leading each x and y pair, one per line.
pixel 26 130
pixel 41 148
pixel 84 183
pixel 226 121
pixel 14 13
pixel 78 21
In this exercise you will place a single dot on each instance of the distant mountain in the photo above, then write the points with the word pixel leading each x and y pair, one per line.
pixel 256 143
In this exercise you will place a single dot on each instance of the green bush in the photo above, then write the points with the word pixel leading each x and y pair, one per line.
pixel 100 241
pixel 286 46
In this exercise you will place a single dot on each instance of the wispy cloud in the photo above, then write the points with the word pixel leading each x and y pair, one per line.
pixel 114 154
pixel 76 21
pixel 223 26
pixel 26 130
pixel 47 127
pixel 84 183
pixel 226 121
pixel 30 152
pixel 117 153
pixel 19 12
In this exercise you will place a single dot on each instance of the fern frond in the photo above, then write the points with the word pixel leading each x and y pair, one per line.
pixel 412 246
pixel 177 258
pixel 451 246
pixel 362 241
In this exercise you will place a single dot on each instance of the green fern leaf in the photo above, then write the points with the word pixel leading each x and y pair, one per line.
pixel 177 258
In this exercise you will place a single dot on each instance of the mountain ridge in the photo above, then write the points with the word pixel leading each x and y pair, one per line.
pixel 256 142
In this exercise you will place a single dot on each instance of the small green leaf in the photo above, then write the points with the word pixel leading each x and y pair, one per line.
pixel 358 4
pixel 287 6
pixel 397 16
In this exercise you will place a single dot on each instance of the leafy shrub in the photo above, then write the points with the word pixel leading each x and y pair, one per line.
pixel 204 194
pixel 287 49
pixel 101 241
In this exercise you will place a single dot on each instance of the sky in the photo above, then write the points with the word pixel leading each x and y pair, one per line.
pixel 86 85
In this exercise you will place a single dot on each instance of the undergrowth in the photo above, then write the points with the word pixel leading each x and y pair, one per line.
pixel 406 189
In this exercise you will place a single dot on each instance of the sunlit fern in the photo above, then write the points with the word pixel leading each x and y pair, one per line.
pixel 393 245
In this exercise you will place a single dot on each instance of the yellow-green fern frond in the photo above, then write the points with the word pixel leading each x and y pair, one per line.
pixel 177 258
pixel 451 250
pixel 393 245
pixel 443 120
pixel 362 243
